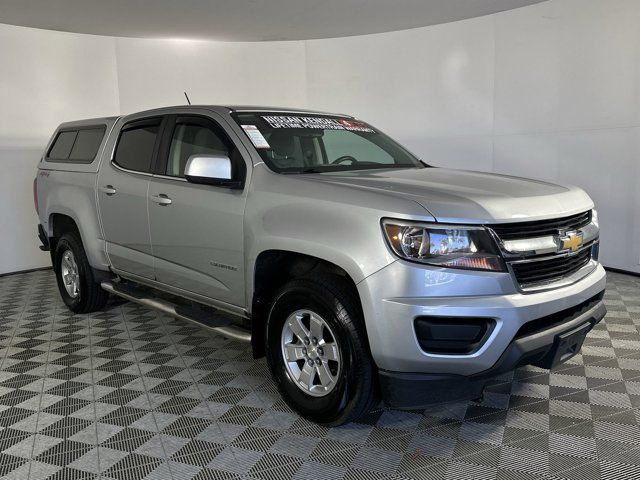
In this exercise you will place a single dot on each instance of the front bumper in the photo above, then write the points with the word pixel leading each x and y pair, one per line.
pixel 394 296
pixel 543 349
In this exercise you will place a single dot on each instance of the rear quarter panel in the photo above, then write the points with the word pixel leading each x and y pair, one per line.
pixel 69 188
pixel 73 194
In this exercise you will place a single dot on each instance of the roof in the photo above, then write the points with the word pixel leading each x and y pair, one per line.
pixel 90 122
pixel 232 108
pixel 255 108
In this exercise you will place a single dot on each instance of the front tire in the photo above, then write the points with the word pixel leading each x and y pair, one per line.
pixel 79 291
pixel 318 353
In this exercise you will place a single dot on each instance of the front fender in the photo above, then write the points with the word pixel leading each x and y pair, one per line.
pixel 333 223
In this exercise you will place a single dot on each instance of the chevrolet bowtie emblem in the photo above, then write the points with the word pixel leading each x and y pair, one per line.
pixel 571 241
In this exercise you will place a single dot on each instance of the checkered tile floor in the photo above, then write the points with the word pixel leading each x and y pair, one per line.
pixel 129 393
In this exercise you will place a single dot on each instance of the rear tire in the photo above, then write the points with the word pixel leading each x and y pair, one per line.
pixel 79 290
pixel 332 386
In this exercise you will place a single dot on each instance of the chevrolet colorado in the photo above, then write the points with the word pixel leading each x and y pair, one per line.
pixel 358 270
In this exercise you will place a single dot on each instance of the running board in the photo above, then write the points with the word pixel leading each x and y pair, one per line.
pixel 218 322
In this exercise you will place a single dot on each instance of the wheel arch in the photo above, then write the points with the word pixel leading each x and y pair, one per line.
pixel 63 220
pixel 57 225
pixel 272 269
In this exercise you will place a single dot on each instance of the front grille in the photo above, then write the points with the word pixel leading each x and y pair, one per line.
pixel 550 269
pixel 533 270
pixel 540 228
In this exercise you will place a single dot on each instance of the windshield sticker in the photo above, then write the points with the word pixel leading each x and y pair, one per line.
pixel 278 121
pixel 355 126
pixel 255 136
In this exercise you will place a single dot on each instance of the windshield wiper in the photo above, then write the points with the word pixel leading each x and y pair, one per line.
pixel 310 170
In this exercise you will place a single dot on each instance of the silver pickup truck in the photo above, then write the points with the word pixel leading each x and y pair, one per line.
pixel 358 270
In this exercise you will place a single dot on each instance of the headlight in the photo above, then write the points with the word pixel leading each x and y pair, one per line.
pixel 450 246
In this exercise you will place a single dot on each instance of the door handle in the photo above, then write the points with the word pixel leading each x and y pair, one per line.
pixel 109 190
pixel 161 200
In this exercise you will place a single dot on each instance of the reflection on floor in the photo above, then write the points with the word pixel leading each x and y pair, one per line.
pixel 129 393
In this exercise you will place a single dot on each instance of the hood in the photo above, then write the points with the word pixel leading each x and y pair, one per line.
pixel 466 196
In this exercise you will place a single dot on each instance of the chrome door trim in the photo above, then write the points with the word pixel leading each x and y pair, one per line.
pixel 135 172
pixel 169 177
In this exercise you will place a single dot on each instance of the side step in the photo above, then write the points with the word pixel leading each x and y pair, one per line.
pixel 218 322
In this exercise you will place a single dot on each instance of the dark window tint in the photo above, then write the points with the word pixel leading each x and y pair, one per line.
pixel 62 145
pixel 79 145
pixel 191 140
pixel 86 145
pixel 135 146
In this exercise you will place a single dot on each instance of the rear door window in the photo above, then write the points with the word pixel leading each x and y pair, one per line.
pixel 136 145
pixel 77 145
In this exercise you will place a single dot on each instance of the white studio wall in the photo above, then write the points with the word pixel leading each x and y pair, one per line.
pixel 549 91
pixel 45 78
pixel 152 73
pixel 51 77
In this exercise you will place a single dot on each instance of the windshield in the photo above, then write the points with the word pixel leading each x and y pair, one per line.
pixel 318 143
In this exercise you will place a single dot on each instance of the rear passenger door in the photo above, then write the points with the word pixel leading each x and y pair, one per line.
pixel 197 230
pixel 123 184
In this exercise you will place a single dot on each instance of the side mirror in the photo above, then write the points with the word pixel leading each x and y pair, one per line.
pixel 210 170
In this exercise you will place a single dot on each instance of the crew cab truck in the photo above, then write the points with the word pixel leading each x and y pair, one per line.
pixel 360 271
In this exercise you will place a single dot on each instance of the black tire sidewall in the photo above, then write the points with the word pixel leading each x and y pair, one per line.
pixel 327 410
pixel 68 242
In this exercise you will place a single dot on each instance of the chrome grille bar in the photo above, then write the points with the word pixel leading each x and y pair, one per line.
pixel 543 254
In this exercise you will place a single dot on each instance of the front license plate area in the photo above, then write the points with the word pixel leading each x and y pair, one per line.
pixel 567 344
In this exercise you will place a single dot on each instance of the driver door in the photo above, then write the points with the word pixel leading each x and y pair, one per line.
pixel 197 230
